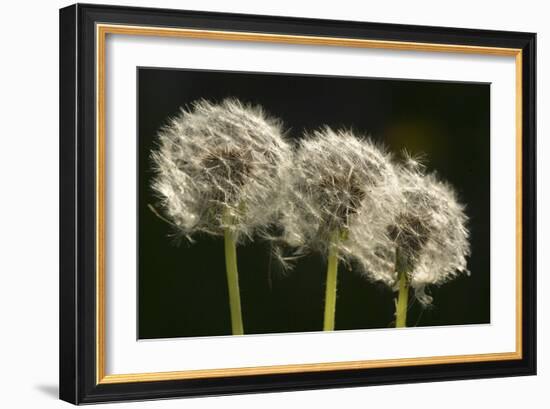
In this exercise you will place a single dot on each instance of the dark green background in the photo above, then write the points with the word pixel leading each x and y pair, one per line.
pixel 182 286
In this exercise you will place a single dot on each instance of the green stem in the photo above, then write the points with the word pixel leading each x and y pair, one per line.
pixel 403 296
pixel 330 289
pixel 230 245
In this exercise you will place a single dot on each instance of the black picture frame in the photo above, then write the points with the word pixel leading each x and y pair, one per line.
pixel 78 257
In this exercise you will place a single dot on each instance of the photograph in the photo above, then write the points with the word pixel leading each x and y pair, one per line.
pixel 297 204
pixel 288 203
pixel 259 203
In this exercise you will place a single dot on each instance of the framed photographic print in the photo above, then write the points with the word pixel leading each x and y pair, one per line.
pixel 257 203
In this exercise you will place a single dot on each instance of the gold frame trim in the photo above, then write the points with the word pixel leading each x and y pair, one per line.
pixel 101 33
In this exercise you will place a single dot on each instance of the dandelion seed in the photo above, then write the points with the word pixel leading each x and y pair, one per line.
pixel 429 235
pixel 336 180
pixel 219 170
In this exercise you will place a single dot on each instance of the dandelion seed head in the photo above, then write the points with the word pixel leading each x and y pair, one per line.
pixel 430 230
pixel 218 166
pixel 339 183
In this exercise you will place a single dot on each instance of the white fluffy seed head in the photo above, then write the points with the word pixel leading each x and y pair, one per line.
pixel 218 166
pixel 429 229
pixel 339 183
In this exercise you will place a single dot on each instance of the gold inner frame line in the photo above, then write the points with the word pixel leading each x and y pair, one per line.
pixel 101 32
